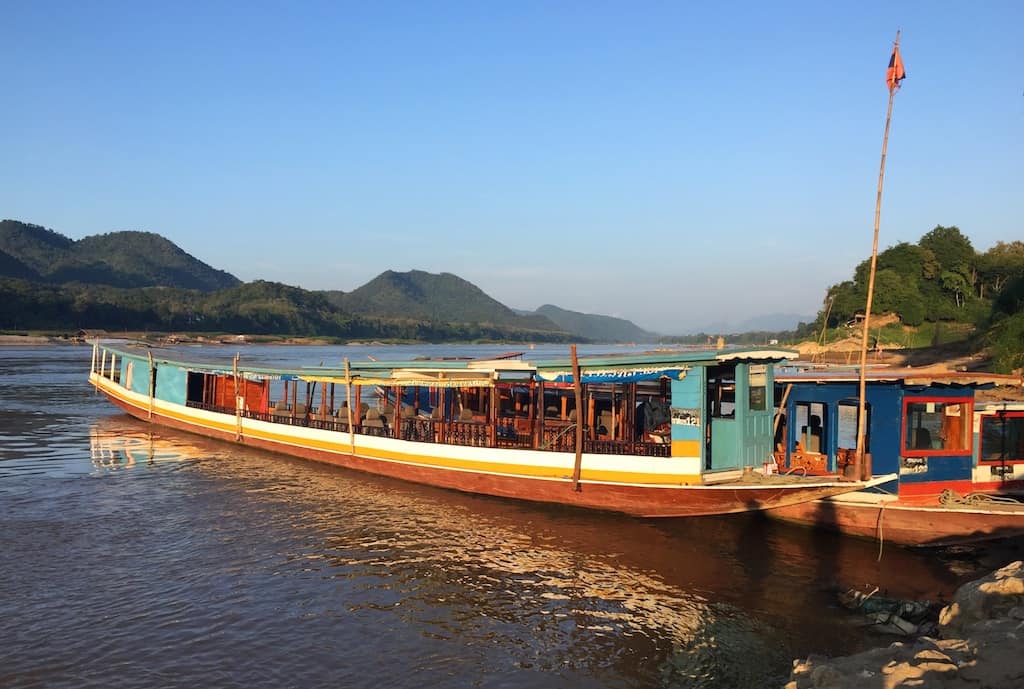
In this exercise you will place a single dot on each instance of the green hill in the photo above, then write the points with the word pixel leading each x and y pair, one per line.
pixel 443 298
pixel 118 259
pixel 595 327
pixel 12 267
pixel 32 245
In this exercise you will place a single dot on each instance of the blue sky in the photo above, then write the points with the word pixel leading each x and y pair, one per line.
pixel 678 164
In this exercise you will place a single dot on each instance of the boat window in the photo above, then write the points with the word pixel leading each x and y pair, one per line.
pixel 847 438
pixel 809 423
pixel 758 388
pixel 1002 438
pixel 722 393
pixel 937 425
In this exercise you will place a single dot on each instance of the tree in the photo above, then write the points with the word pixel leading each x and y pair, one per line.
pixel 957 262
pixel 952 250
pixel 998 266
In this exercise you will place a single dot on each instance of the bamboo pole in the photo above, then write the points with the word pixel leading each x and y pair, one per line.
pixel 152 371
pixel 862 465
pixel 238 406
pixel 348 409
pixel 782 409
pixel 578 389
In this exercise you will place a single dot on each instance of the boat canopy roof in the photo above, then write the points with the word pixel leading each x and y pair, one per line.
pixel 611 368
pixel 904 376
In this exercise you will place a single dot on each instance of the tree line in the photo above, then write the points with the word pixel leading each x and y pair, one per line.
pixel 259 308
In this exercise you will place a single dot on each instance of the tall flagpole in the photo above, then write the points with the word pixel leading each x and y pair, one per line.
pixel 893 77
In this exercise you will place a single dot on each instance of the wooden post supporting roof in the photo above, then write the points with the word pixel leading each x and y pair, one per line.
pixel 238 406
pixel 348 409
pixel 578 388
pixel 152 382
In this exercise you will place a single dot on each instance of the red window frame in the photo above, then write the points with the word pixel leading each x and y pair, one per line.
pixel 995 418
pixel 967 429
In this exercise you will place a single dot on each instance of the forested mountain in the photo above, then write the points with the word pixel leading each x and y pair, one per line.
pixel 140 280
pixel 258 308
pixel 443 298
pixel 33 246
pixel 596 327
pixel 12 267
pixel 119 259
pixel 942 278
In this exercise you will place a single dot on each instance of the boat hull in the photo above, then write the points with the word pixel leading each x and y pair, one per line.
pixel 908 523
pixel 358 452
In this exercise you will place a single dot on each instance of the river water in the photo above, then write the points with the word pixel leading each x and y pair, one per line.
pixel 133 556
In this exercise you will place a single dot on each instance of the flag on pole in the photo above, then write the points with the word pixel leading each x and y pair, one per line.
pixel 895 73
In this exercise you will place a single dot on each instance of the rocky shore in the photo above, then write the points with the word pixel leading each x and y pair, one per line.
pixel 979 644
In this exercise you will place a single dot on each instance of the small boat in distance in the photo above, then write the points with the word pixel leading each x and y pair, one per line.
pixel 664 434
pixel 952 465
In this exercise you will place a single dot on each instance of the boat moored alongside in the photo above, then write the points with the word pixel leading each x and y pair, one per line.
pixel 922 430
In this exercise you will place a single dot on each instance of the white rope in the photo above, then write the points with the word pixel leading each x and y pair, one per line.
pixel 950 498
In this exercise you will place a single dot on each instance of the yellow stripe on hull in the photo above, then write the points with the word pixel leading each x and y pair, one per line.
pixel 686 448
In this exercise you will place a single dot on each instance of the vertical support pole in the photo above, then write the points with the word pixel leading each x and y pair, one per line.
pixel 238 402
pixel 152 382
pixel 538 429
pixel 578 388
pixel 348 410
pixel 492 416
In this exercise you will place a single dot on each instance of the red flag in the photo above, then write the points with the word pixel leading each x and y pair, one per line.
pixel 895 73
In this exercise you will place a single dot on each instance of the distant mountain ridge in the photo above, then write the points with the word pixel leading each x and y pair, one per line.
pixel 118 259
pixel 771 322
pixel 442 297
pixel 92 279
pixel 596 327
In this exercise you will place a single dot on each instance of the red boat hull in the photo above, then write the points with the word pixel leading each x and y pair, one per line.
pixel 636 500
pixel 909 523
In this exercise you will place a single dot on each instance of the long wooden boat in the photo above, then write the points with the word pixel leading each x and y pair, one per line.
pixel 922 429
pixel 664 434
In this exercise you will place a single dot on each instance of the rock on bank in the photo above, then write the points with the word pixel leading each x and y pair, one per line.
pixel 981 646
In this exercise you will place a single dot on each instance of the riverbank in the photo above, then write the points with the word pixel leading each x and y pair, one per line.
pixel 30 340
pixel 977 645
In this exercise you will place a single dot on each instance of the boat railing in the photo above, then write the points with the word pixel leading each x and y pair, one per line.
pixel 470 433
pixel 627 447
pixel 473 433
pixel 563 439
pixel 210 407
pixel 559 438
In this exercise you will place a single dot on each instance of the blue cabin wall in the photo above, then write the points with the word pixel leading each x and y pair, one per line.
pixel 745 438
pixel 757 423
pixel 171 381
pixel 135 373
pixel 885 431
pixel 943 467
pixel 171 384
pixel 689 414
pixel 885 404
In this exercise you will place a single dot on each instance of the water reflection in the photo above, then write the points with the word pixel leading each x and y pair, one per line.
pixel 702 602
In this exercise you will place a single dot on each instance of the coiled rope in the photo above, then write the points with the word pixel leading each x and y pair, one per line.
pixel 950 498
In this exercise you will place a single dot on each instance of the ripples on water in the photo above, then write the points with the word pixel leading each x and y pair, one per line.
pixel 135 556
